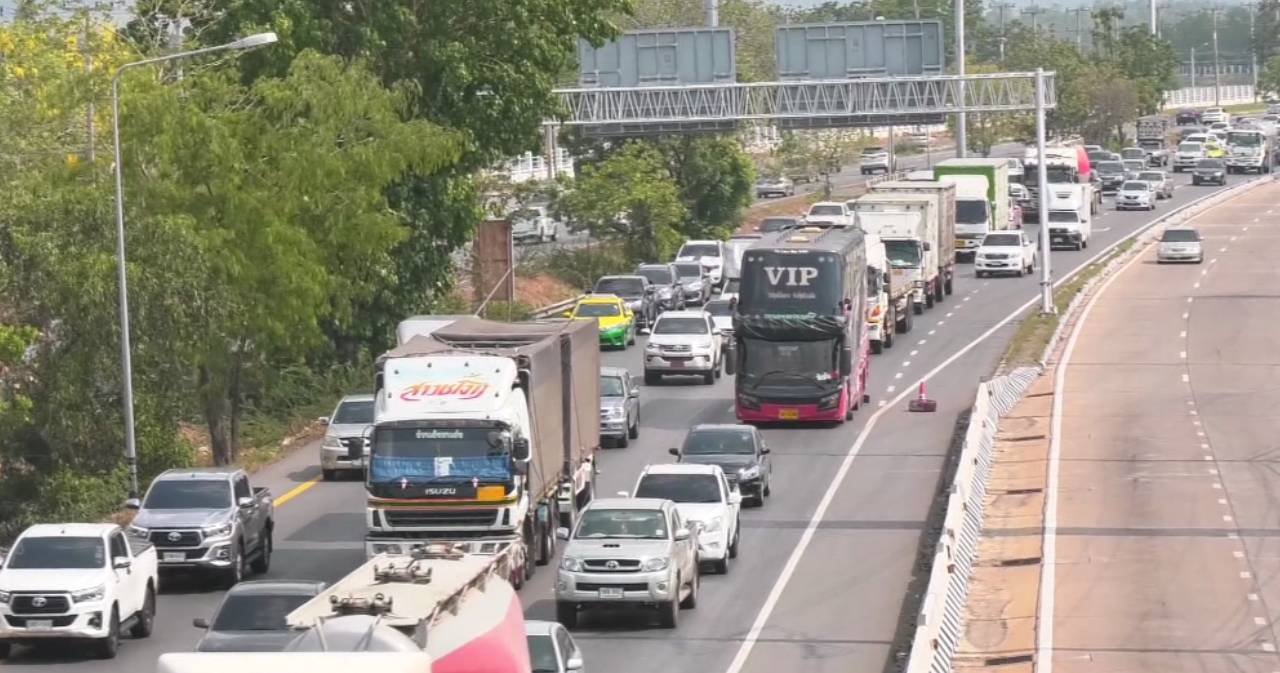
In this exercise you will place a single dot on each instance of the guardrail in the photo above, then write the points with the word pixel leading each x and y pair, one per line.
pixel 1208 96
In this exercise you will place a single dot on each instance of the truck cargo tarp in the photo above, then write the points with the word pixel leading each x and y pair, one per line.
pixel 789 327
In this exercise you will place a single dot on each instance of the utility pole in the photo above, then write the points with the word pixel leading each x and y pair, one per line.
pixel 1042 180
pixel 1034 11
pixel 962 130
pixel 88 68
pixel 1217 64
pixel 1002 6
pixel 1080 12
pixel 713 13
pixel 1153 16
pixel 1193 67
pixel 1252 8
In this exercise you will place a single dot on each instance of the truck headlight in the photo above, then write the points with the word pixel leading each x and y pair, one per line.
pixel 652 348
pixel 616 412
pixel 91 594
pixel 139 531
pixel 714 525
pixel 223 530
pixel 749 472
pixel 4 597
pixel 331 442
pixel 571 564
pixel 654 564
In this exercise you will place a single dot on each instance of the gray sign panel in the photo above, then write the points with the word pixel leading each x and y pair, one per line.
pixel 860 49
pixel 659 58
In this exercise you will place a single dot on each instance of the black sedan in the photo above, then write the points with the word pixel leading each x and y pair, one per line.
pixel 1209 172
pixel 739 450
pixel 1186 116
pixel 252 616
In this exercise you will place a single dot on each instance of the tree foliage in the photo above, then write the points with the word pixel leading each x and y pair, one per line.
pixel 1269 78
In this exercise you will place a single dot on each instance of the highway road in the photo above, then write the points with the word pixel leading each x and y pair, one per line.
pixel 1166 535
pixel 813 593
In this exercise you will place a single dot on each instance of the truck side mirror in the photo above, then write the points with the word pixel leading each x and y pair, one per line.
pixel 927 246
pixel 245 503
pixel 674 451
pixel 200 623
pixel 846 361
pixel 520 449
pixel 121 563
pixel 134 504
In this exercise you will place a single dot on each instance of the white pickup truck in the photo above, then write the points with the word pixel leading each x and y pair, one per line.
pixel 86 582
pixel 1005 252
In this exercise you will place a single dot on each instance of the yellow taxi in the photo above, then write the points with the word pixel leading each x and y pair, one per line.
pixel 1214 150
pixel 617 322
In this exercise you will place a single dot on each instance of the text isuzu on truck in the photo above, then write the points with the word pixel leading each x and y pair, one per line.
pixel 800 344
pixel 484 436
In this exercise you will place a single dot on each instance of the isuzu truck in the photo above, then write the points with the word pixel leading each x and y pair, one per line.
pixel 982 199
pixel 908 225
pixel 484 436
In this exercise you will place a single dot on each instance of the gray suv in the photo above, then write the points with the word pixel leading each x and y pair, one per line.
pixel 207 519
pixel 345 446
pixel 634 553
pixel 619 406
pixel 666 280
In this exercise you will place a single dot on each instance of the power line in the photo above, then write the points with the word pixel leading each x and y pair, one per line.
pixel 1079 31
pixel 1034 11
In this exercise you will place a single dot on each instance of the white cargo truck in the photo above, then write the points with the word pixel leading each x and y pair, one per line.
pixel 983 203
pixel 1070 215
pixel 912 246
pixel 888 303
pixel 944 194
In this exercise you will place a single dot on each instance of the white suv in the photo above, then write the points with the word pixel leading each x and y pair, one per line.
pixel 707 501
pixel 875 159
pixel 710 254
pixel 1214 115
pixel 683 342
pixel 1005 252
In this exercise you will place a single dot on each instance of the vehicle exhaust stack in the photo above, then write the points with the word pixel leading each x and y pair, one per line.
pixel 922 401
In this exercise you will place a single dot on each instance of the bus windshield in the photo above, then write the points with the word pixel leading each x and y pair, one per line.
pixel 783 283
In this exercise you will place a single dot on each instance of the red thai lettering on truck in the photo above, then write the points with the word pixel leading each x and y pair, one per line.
pixel 465 389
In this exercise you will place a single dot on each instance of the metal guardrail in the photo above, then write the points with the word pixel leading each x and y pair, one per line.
pixel 1208 96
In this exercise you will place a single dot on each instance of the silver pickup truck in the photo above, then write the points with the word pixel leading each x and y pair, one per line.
pixel 207 519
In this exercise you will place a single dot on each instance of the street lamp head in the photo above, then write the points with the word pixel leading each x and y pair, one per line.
pixel 252 41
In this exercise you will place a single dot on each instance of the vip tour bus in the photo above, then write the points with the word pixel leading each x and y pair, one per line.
pixel 800 346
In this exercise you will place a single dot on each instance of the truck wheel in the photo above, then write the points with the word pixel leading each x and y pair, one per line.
pixel 889 327
pixel 691 601
pixel 938 295
pixel 652 378
pixel 547 544
pixel 233 574
pixel 329 475
pixel 567 614
pixel 5 648
pixel 916 308
pixel 947 286
pixel 106 648
pixel 877 347
pixel 262 563
pixel 904 322
pixel 928 297
pixel 669 614
pixel 146 618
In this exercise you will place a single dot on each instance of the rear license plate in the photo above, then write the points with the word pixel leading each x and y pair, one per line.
pixel 789 414
pixel 677 363
pixel 1059 239
pixel 611 592
pixel 174 556
pixel 39 624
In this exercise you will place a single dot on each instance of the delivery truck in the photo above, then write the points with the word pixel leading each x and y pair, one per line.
pixel 484 436
pixel 983 203
pixel 911 243
pixel 944 194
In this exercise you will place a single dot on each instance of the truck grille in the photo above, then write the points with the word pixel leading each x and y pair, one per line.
pixel 440 517
pixel 175 538
pixel 679 348
pixel 625 586
pixel 1057 230
pixel 355 447
pixel 996 255
pixel 40 604
pixel 620 565
pixel 21 622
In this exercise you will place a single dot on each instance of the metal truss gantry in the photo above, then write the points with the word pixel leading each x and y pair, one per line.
pixel 852 102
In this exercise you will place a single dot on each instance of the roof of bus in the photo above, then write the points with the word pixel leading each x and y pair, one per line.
pixel 830 239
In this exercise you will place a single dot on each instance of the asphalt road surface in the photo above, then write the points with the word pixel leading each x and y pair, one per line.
pixel 1167 539
pixel 818 594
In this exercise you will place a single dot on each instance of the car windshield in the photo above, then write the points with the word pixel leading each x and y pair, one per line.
pixel 642 524
pixel 53 553
pixel 868 151
pixel 1209 163
pixel 826 210
pixel 1110 167
pixel 971 212
pixel 656 276
pixel 688 488
pixel 1002 240
pixel 771 224
pixel 1180 236
pixel 1151 177
pixel 611 386
pixel 257 613
pixel 699 250
pixel 597 310
pixel 1063 216
pixel 1134 186
pixel 714 442
pixel 689 269
pixel 719 307
pixel 625 287
pixel 542 654
pixel 354 412
pixel 903 254
pixel 1133 165
pixel 525 215
pixel 1190 147
pixel 680 325
pixel 1133 153
pixel 189 494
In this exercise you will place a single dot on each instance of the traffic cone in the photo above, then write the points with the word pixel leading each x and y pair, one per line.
pixel 922 401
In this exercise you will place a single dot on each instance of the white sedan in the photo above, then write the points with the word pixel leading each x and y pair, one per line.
pixel 1136 195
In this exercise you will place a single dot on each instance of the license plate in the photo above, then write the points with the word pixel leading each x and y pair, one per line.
pixel 789 414
pixel 1059 239
pixel 39 624
pixel 611 592
pixel 174 556
pixel 677 363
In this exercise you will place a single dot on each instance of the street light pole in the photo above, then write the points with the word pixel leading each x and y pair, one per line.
pixel 1042 179
pixel 1217 65
pixel 962 126
pixel 126 360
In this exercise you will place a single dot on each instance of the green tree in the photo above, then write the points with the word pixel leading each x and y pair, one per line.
pixel 715 178
pixel 1269 78
pixel 630 199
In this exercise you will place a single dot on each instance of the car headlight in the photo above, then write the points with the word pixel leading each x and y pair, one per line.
pixel 616 412
pixel 4 597
pixel 331 442
pixel 713 525
pixel 634 305
pixel 652 348
pixel 654 564
pixel 223 530
pixel 705 345
pixel 749 472
pixel 91 594
pixel 571 564
pixel 139 531
pixel 695 285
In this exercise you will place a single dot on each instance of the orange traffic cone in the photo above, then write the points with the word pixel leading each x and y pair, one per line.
pixel 922 401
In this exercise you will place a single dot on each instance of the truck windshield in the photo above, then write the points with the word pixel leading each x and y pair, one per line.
pixel 691 488
pixel 611 386
pixel 257 613
pixel 1244 139
pixel 903 254
pixel 1190 147
pixel 623 287
pixel 782 283
pixel 656 276
pixel 1068 216
pixel 699 250
pixel 54 553
pixel 438 453
pixel 972 212
pixel 354 412
pixel 1060 174
pixel 1002 240
pixel 641 524
pixel 826 210
pixel 782 361
pixel 189 494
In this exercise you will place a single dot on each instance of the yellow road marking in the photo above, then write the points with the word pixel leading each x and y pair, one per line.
pixel 296 491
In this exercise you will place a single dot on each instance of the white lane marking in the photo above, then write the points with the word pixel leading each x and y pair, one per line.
pixel 1044 642
pixel 1195 423
pixel 1222 249
pixel 967 298
pixel 1237 553
pixel 1190 299
pixel 940 324
pixel 1206 271
pixel 1200 433
pixel 882 403
pixel 1214 260
pixel 1186 315
pixel 890 389
pixel 1208 457
pixel 933 332
pixel 1245 229
pixel 1256 219
pixel 922 342
pixel 1204 446
pixel 1182 354
pixel 1254 597
pixel 1259 621
pixel 1186 379
pixel 1233 238
pixel 906 363
pixel 1213 471
pixel 1268 647
pixel 1227 517
pixel 913 353
pixel 950 314
pixel 1245 574
pixel 1183 334
pixel 1196 286
pixel 1218 486
pixel 897 375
